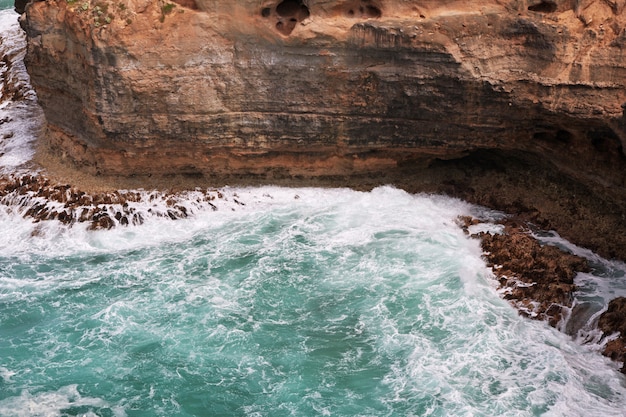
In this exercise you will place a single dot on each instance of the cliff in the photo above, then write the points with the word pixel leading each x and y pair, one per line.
pixel 515 104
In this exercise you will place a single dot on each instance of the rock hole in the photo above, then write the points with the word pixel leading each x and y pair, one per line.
pixel 558 136
pixel 362 9
pixel 605 140
pixel 373 12
pixel 563 136
pixel 292 11
pixel 286 28
pixel 292 8
pixel 304 12
pixel 543 7
pixel 266 12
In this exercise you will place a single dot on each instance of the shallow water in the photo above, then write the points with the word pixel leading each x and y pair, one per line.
pixel 283 302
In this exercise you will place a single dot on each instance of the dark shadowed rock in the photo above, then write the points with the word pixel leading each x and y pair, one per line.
pixel 20 5
pixel 614 321
pixel 537 279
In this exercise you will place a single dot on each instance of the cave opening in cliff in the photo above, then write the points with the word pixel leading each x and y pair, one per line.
pixel 373 12
pixel 293 8
pixel 543 7
pixel 548 135
pixel 290 13
pixel 606 141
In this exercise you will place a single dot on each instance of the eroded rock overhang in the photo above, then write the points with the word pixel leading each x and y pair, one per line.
pixel 208 86
pixel 312 88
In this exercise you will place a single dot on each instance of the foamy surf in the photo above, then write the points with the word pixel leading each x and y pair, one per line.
pixel 55 403
pixel 298 301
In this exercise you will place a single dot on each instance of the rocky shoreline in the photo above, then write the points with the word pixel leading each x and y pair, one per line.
pixel 538 280
pixel 515 105
pixel 551 157
pixel 37 197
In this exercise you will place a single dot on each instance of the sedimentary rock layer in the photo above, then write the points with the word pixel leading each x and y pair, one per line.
pixel 284 89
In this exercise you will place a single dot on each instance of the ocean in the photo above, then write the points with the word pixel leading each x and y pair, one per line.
pixel 281 302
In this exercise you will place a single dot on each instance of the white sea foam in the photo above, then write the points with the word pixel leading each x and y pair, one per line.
pixel 553 238
pixel 383 276
pixel 12 48
pixel 6 374
pixel 594 291
pixel 54 237
pixel 21 122
pixel 54 403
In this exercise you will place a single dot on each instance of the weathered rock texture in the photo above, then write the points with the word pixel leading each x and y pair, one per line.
pixel 613 321
pixel 511 103
pixel 537 279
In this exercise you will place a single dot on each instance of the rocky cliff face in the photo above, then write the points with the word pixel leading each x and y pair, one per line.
pixel 511 103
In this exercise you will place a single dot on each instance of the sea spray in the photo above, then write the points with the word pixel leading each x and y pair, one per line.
pixel 21 119
pixel 594 291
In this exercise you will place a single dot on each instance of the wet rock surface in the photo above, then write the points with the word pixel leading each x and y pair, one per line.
pixel 537 279
pixel 612 322
pixel 38 198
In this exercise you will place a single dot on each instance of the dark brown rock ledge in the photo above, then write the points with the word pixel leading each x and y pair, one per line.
pixel 37 197
pixel 538 280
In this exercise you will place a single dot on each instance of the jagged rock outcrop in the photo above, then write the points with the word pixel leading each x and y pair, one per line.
pixel 36 197
pixel 613 321
pixel 511 103
pixel 537 279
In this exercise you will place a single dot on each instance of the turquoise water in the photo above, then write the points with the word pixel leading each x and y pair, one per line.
pixel 6 4
pixel 303 302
